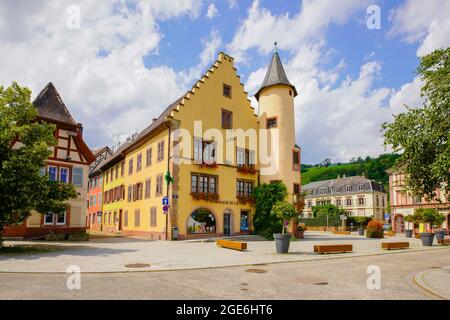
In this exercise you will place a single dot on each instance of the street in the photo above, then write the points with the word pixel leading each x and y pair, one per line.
pixel 341 278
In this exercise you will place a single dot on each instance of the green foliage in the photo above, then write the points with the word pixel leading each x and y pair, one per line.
pixel 422 134
pixel 266 195
pixel 375 229
pixel 361 221
pixel 285 211
pixel 329 210
pixel 373 168
pixel 429 216
pixel 22 187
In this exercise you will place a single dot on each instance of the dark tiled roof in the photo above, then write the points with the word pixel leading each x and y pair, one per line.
pixel 342 183
pixel 51 107
pixel 275 75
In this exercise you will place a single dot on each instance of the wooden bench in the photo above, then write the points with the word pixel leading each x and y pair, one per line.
pixel 332 248
pixel 394 245
pixel 444 242
pixel 341 232
pixel 229 244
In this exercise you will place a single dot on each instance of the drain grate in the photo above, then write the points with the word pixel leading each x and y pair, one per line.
pixel 256 270
pixel 137 265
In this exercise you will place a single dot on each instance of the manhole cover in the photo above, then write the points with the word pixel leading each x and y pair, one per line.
pixel 137 265
pixel 321 283
pixel 244 289
pixel 256 270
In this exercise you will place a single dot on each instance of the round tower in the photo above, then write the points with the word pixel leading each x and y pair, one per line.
pixel 276 112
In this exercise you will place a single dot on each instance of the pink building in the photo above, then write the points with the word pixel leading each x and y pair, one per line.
pixel 403 204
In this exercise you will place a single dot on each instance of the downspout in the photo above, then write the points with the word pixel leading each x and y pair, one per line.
pixel 168 183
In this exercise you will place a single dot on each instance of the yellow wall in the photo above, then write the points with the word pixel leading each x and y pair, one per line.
pixel 112 206
pixel 155 169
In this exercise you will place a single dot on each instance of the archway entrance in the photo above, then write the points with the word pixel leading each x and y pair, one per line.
pixel 201 221
pixel 399 224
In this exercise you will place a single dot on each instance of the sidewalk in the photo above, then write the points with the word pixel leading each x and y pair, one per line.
pixel 116 254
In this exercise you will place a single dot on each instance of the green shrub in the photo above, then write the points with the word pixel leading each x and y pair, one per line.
pixel 265 222
pixel 375 229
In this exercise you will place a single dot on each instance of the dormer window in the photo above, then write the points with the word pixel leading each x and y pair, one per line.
pixel 349 188
pixel 360 187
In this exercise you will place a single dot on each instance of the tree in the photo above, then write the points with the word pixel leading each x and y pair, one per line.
pixel 329 210
pixel 266 223
pixel 22 187
pixel 285 211
pixel 422 134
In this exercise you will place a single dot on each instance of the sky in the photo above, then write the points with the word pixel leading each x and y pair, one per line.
pixel 118 64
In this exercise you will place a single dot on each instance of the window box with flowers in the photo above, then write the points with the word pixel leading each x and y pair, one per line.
pixel 245 199
pixel 208 165
pixel 246 169
pixel 205 196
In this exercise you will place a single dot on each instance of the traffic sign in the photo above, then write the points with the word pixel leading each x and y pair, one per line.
pixel 386 216
pixel 165 209
pixel 165 201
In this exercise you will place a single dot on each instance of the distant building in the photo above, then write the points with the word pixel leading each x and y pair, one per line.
pixel 358 195
pixel 69 162
pixel 403 204
pixel 95 190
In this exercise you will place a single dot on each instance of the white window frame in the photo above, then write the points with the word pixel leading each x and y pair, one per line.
pixel 56 172
pixel 45 219
pixel 67 175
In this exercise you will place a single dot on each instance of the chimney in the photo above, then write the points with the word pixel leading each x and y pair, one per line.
pixel 344 175
pixel 80 129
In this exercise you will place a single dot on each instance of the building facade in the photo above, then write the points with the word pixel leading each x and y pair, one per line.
pixel 69 162
pixel 359 196
pixel 403 203
pixel 201 154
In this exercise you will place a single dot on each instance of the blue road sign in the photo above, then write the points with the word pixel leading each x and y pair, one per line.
pixel 386 216
pixel 165 201
pixel 165 209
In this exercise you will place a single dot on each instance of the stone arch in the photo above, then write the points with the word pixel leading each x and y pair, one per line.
pixel 204 226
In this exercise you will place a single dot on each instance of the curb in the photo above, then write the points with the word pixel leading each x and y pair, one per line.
pixel 420 282
pixel 326 257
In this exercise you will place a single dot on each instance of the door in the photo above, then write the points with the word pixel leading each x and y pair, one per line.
pixel 399 224
pixel 226 224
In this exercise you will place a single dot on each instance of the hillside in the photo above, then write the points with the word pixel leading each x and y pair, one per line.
pixel 373 168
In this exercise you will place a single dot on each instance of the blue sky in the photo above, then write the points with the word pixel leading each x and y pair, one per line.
pixel 129 59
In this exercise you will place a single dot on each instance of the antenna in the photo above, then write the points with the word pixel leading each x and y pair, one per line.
pixel 117 137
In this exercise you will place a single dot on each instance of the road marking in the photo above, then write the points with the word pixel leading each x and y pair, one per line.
pixel 420 282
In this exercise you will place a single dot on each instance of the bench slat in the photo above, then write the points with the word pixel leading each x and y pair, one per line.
pixel 229 244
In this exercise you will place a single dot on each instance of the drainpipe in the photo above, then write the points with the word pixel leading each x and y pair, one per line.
pixel 168 183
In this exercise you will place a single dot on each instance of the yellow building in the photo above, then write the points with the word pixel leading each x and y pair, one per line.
pixel 201 155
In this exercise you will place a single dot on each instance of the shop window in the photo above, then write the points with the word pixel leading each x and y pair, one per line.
pixel 202 221
pixel 245 220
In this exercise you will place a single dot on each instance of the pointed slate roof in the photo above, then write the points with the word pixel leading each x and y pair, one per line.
pixel 51 107
pixel 275 75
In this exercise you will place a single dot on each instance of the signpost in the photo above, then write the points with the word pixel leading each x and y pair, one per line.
pixel 165 201
pixel 165 209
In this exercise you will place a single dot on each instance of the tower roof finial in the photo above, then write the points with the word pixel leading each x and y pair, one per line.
pixel 275 50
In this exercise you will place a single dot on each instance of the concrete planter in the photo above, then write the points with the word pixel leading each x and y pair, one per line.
pixel 439 235
pixel 282 242
pixel 361 231
pixel 408 233
pixel 427 239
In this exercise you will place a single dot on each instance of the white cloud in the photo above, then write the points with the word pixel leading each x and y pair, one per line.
pixel 212 11
pixel 337 116
pixel 98 69
pixel 232 4
pixel 428 24
pixel 261 28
